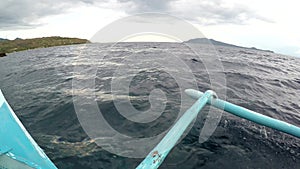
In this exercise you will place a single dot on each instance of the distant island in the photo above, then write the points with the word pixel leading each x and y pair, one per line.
pixel 218 43
pixel 8 46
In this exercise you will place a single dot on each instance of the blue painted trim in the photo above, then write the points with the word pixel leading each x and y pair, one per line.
pixel 2 99
pixel 15 137
pixel 4 149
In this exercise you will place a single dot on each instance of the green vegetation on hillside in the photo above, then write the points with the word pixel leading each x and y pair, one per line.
pixel 9 46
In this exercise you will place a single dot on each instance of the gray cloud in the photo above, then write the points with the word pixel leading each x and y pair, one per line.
pixel 139 6
pixel 22 14
pixel 16 14
pixel 205 12
pixel 19 13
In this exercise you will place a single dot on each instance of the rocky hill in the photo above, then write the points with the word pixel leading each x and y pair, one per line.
pixel 8 46
pixel 218 43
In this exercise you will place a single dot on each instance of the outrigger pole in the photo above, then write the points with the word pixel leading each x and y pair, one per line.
pixel 155 158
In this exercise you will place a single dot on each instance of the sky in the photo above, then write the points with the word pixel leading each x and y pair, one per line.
pixel 264 24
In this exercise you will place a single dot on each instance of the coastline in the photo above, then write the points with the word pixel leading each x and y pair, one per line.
pixel 9 46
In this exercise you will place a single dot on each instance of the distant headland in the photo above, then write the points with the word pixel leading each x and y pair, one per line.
pixel 218 43
pixel 9 46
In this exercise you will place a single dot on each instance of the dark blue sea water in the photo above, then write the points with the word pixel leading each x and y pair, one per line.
pixel 38 85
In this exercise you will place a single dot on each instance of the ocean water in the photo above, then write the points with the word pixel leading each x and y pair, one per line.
pixel 38 85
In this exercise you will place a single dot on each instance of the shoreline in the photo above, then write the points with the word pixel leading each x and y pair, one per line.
pixel 10 46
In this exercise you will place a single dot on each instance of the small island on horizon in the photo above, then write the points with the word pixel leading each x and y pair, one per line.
pixel 219 43
pixel 9 46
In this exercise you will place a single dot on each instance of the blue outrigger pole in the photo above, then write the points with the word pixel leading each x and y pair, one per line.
pixel 155 158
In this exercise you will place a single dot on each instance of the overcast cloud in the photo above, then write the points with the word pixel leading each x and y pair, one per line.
pixel 20 14
pixel 26 13
pixel 205 12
